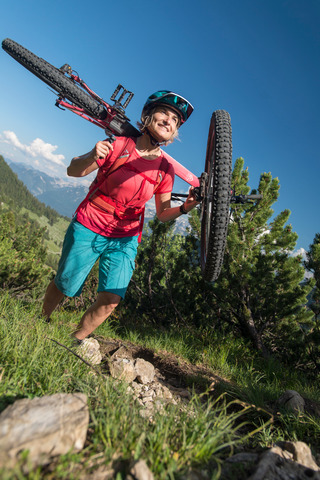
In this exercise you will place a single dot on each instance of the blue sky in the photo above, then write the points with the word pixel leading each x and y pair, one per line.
pixel 257 59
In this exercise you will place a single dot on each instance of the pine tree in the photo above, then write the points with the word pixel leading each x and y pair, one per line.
pixel 167 286
pixel 150 286
pixel 260 294
pixel 259 291
pixel 22 257
pixel 313 334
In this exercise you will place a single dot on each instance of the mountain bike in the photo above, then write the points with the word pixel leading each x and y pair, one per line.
pixel 212 189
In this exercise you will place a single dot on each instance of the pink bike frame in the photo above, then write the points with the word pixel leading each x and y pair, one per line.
pixel 181 171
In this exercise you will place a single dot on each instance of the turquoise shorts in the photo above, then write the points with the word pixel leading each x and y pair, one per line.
pixel 82 248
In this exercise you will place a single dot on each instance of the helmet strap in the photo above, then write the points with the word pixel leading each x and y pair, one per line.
pixel 153 140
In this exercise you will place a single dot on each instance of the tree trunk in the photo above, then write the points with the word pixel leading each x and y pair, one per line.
pixel 248 326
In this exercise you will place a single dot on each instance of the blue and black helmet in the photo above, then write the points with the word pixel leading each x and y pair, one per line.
pixel 171 99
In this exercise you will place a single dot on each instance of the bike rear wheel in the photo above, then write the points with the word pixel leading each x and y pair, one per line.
pixel 216 201
pixel 56 79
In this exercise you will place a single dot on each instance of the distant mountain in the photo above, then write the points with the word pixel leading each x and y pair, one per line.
pixel 54 192
pixel 65 197
pixel 14 192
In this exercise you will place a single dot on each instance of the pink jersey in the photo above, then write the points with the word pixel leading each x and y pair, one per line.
pixel 129 187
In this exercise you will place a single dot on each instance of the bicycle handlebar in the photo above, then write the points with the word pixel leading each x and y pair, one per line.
pixel 234 198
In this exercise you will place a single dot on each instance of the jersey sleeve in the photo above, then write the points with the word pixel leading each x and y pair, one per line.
pixel 166 183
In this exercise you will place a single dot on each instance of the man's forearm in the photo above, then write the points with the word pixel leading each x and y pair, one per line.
pixel 83 165
pixel 169 214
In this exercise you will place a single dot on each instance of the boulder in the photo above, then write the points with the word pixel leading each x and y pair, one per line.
pixel 89 349
pixel 292 400
pixel 123 369
pixel 139 471
pixel 301 454
pixel 122 352
pixel 286 461
pixel 145 371
pixel 47 426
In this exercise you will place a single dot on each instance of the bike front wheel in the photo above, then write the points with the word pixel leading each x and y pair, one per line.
pixel 56 79
pixel 217 194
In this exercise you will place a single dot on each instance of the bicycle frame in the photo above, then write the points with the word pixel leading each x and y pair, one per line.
pixel 121 98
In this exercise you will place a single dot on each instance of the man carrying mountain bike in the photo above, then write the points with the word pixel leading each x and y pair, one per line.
pixel 108 223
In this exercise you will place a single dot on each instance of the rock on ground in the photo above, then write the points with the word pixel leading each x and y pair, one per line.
pixel 46 426
pixel 285 461
pixel 292 400
pixel 89 349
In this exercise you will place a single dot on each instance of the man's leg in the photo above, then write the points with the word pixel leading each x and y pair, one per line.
pixel 99 311
pixel 52 298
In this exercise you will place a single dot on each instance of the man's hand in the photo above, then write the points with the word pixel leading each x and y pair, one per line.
pixel 191 201
pixel 87 163
pixel 102 149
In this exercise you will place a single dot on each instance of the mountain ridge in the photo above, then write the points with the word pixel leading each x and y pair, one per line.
pixel 53 191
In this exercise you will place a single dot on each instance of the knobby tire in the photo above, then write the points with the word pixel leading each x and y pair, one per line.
pixel 56 79
pixel 216 203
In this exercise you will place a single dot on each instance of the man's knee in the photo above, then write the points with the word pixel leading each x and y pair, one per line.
pixel 108 301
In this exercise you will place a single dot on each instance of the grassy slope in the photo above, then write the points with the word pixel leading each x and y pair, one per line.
pixel 179 441
pixel 12 188
pixel 56 231
pixel 32 365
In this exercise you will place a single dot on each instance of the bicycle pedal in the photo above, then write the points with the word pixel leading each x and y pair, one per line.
pixel 125 97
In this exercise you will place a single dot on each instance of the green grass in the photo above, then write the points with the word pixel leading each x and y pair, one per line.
pixel 56 231
pixel 227 356
pixel 198 437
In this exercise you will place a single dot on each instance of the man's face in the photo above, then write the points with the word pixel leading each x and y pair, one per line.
pixel 164 124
